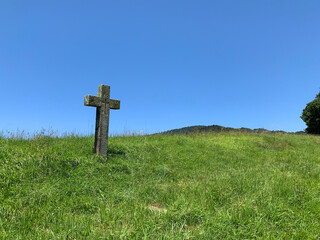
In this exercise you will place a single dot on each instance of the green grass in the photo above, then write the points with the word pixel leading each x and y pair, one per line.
pixel 201 186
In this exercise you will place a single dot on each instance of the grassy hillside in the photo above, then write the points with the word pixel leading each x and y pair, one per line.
pixel 204 186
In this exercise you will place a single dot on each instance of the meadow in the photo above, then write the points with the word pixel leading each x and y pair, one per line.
pixel 194 186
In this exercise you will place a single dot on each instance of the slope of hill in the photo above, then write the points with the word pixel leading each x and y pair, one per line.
pixel 217 128
pixel 197 186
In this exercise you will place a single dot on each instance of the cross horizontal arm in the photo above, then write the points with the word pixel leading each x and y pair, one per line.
pixel 95 101
pixel 92 101
pixel 114 104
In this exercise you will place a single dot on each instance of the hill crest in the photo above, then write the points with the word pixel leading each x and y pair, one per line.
pixel 218 128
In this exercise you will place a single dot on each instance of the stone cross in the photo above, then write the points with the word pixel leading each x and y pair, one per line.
pixel 103 103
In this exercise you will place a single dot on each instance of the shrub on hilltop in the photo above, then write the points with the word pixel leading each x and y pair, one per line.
pixel 311 116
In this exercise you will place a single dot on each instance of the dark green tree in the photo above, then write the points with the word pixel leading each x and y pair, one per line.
pixel 311 116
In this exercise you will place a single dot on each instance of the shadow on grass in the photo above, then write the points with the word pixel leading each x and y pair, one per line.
pixel 113 151
pixel 116 151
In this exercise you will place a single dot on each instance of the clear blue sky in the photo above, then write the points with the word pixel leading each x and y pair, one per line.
pixel 171 63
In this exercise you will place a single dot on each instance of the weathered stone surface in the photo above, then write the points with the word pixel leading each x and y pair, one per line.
pixel 103 103
pixel 92 101
pixel 114 104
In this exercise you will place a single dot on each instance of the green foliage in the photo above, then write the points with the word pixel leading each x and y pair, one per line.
pixel 311 116
pixel 196 186
pixel 216 129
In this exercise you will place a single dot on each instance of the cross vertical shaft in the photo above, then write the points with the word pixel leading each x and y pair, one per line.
pixel 102 122
pixel 103 103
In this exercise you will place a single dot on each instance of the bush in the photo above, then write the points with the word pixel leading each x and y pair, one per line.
pixel 311 116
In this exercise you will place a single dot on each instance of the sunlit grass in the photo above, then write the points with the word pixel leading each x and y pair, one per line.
pixel 201 186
